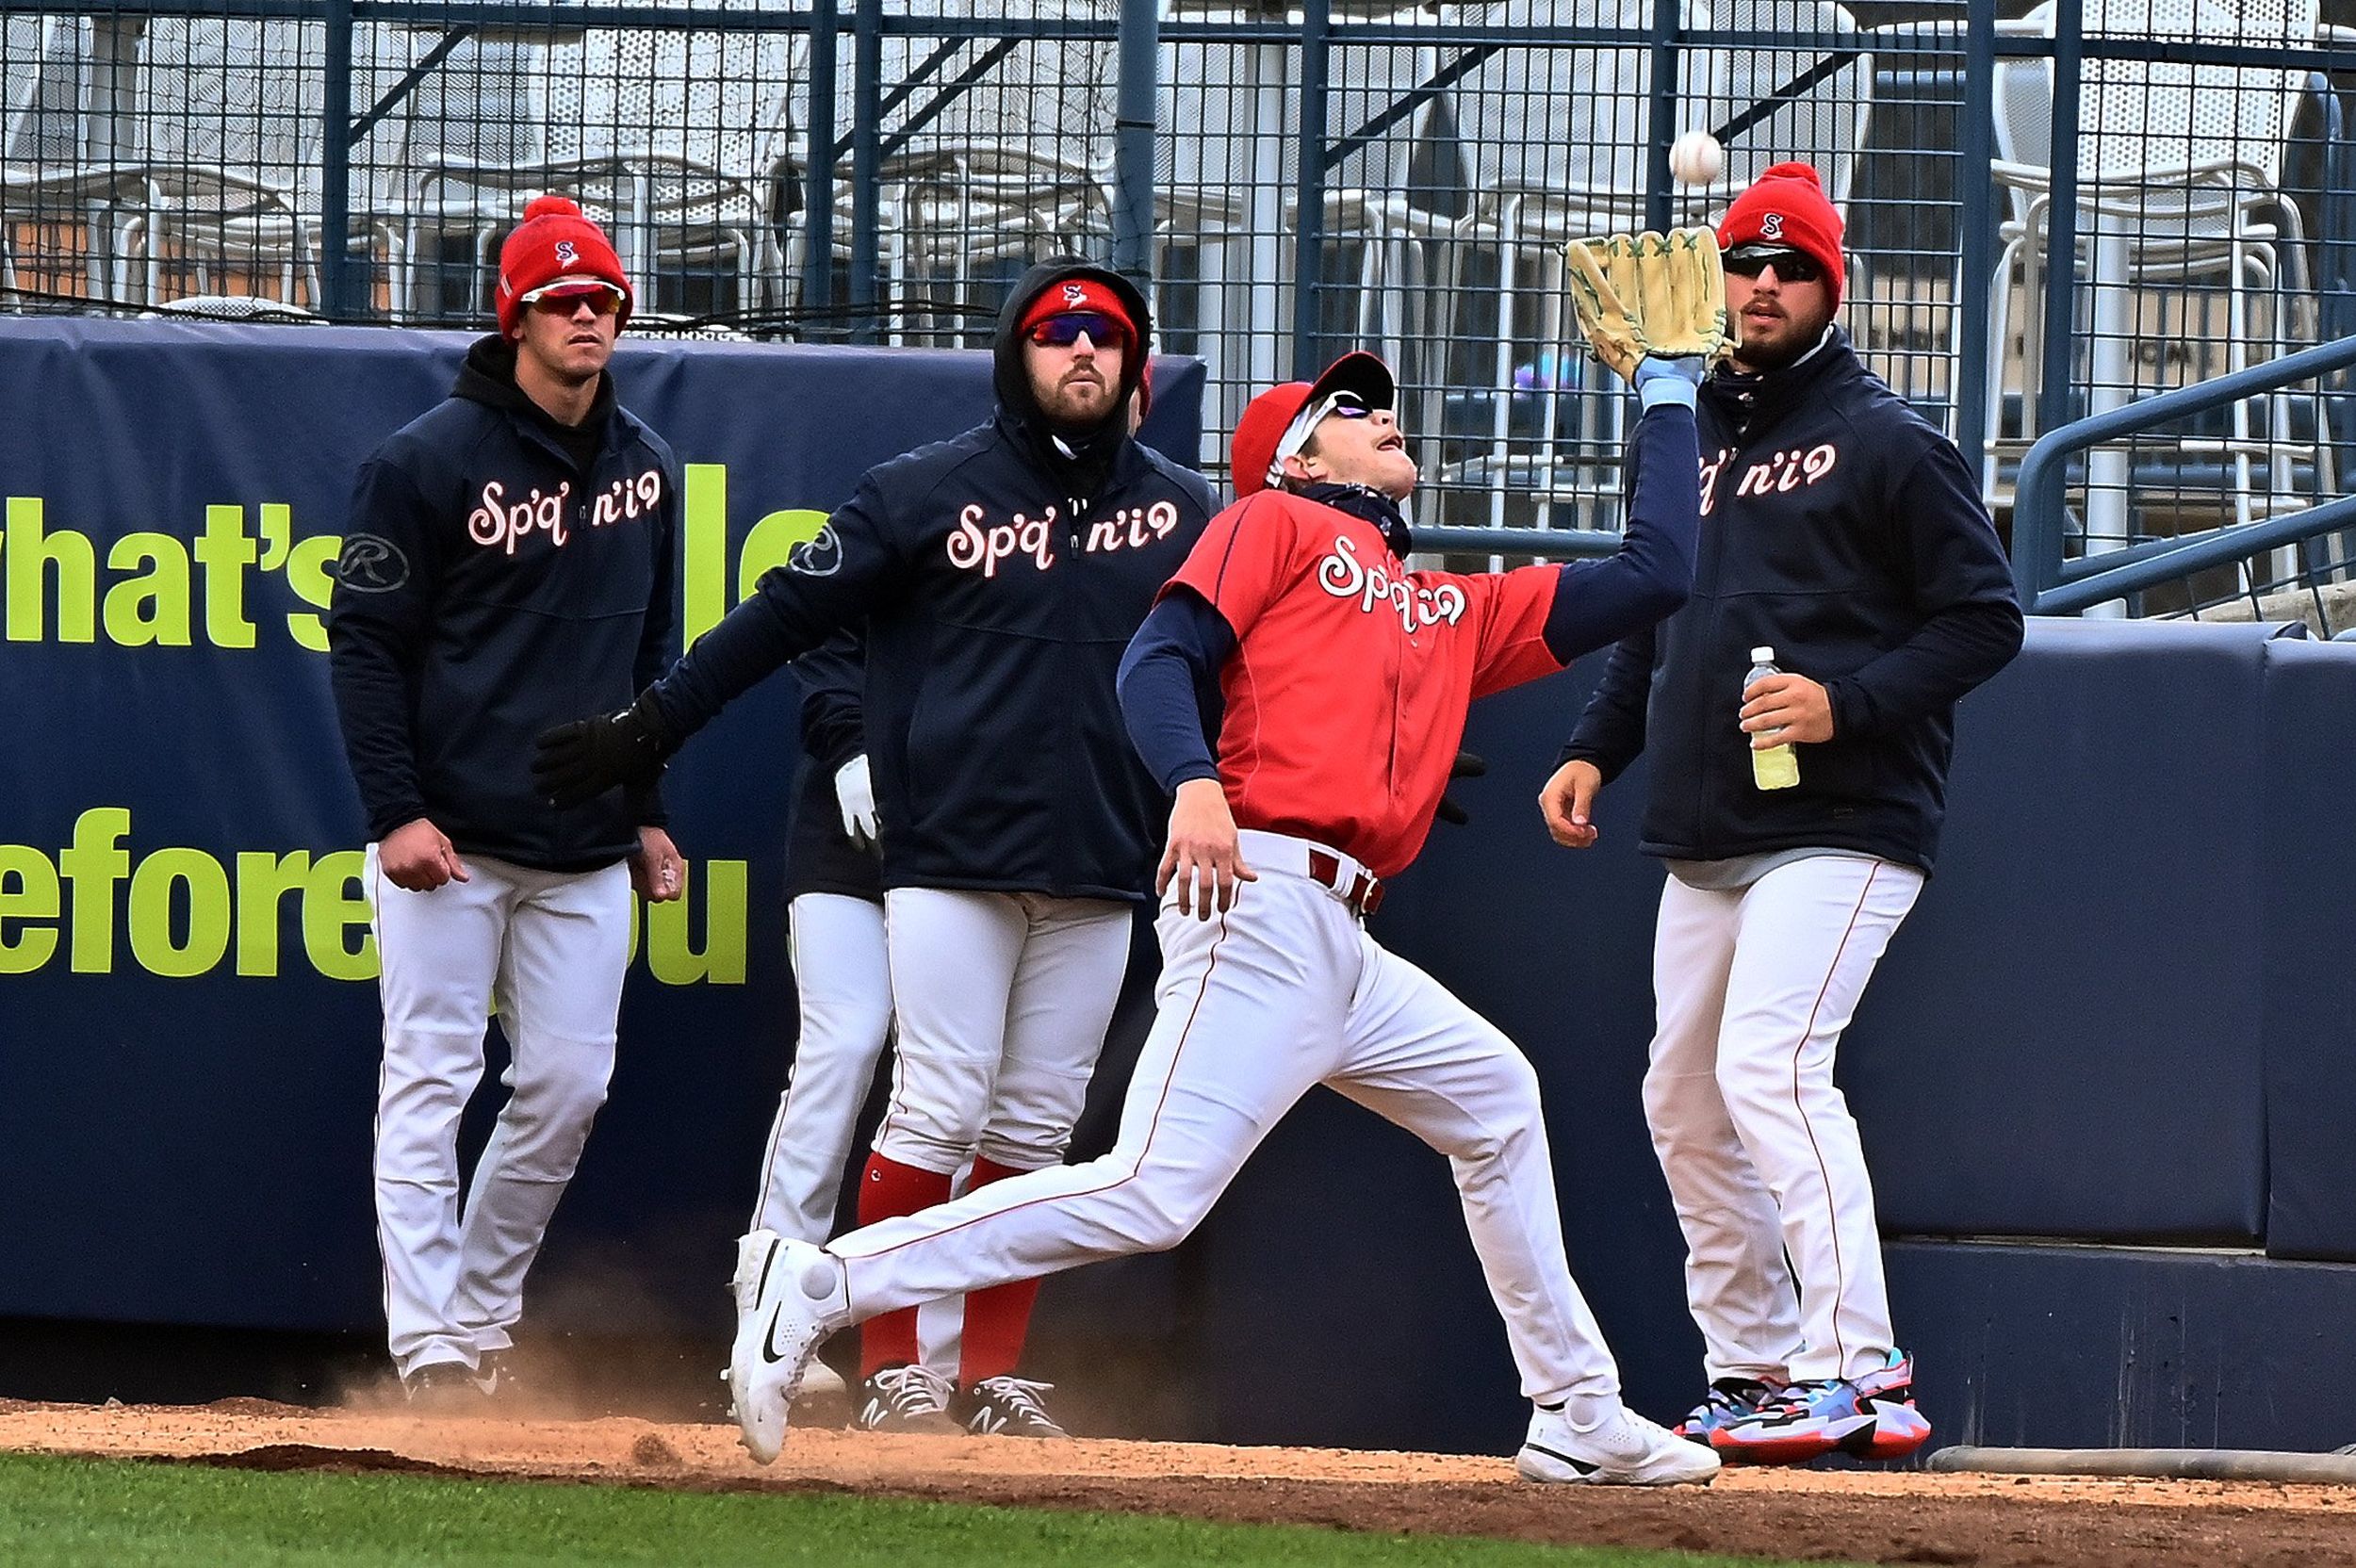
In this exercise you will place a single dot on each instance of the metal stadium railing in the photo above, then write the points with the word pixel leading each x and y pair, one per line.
pixel 2053 212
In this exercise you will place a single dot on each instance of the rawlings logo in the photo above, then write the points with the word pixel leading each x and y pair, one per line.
pixel 1783 471
pixel 566 254
pixel 820 555
pixel 1771 227
pixel 370 564
pixel 1342 575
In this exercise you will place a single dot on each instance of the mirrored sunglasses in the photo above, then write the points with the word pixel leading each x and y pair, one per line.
pixel 1061 332
pixel 1347 406
pixel 1749 261
pixel 563 299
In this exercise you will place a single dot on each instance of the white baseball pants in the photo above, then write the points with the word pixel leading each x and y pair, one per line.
pixel 551 948
pixel 1003 1001
pixel 1258 1005
pixel 1753 987
pixel 843 983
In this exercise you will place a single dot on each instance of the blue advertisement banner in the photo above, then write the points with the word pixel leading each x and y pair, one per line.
pixel 189 1029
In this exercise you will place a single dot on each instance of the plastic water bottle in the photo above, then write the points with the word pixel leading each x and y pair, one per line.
pixel 1777 767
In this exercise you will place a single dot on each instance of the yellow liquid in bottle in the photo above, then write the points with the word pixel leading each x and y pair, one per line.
pixel 1776 768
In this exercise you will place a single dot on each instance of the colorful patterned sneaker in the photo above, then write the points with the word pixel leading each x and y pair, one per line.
pixel 1871 1416
pixel 1730 1401
pixel 906 1399
pixel 1009 1407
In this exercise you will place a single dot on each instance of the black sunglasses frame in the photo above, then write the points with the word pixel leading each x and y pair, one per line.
pixel 1791 264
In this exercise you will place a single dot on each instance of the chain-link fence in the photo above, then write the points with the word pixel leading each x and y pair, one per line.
pixel 1399 176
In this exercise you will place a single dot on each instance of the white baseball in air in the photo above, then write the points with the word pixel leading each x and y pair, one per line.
pixel 1696 159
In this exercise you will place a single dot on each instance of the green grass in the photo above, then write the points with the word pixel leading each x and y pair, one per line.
pixel 86 1513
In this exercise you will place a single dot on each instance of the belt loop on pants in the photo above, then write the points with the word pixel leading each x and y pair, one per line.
pixel 1361 893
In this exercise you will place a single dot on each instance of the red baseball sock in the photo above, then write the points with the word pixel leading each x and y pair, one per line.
pixel 887 1191
pixel 997 1319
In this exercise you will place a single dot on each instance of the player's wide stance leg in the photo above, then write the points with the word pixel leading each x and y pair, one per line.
pixel 1251 1010
pixel 1810 933
pixel 842 991
pixel 1061 1003
pixel 1419 1057
pixel 954 955
pixel 439 952
pixel 560 991
pixel 1737 1283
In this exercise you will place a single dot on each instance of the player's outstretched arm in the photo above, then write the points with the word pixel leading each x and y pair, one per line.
pixel 825 584
pixel 1599 602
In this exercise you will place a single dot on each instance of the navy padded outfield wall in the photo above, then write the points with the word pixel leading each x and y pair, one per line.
pixel 2113 1036
pixel 188 1020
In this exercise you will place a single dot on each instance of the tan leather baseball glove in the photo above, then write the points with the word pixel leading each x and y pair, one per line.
pixel 1639 294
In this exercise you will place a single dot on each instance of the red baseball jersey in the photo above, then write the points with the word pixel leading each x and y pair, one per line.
pixel 1345 693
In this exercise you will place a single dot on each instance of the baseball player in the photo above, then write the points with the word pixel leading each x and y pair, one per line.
pixel 1330 681
pixel 1843 531
pixel 509 552
pixel 998 576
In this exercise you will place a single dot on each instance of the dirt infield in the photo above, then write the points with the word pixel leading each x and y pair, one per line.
pixel 1875 1517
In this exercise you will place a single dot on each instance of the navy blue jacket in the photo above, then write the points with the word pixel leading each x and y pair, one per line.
pixel 1842 529
pixel 820 857
pixel 490 586
pixel 998 578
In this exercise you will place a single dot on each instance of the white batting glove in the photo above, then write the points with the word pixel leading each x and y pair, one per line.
pixel 855 793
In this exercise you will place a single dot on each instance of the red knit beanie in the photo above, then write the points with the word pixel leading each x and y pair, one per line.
pixel 554 241
pixel 1787 206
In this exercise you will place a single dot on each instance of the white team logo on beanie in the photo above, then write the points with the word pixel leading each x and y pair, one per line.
pixel 1074 294
pixel 1771 227
pixel 566 254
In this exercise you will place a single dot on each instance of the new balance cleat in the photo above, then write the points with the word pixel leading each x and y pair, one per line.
pixel 1730 1401
pixel 906 1399
pixel 1870 1417
pixel 1009 1407
pixel 1622 1450
pixel 790 1295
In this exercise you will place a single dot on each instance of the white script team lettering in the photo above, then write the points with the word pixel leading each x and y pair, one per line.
pixel 1344 575
pixel 971 545
pixel 497 521
pixel 1133 525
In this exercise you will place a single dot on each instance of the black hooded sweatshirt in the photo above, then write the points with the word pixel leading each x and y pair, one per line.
pixel 1843 530
pixel 501 573
pixel 999 575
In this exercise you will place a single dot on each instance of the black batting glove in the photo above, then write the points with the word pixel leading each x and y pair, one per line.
pixel 578 761
pixel 1468 765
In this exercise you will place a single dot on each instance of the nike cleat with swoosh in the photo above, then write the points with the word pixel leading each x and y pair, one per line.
pixel 789 1295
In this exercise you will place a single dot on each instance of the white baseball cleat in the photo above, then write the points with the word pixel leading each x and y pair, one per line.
pixel 821 1381
pixel 1622 1450
pixel 789 1296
